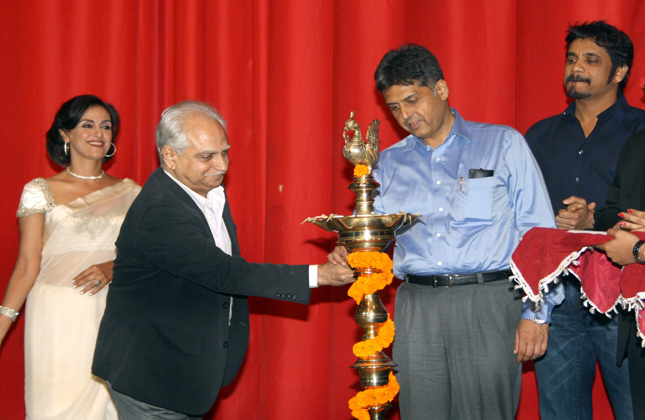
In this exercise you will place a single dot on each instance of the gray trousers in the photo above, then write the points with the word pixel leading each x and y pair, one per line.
pixel 454 350
pixel 132 409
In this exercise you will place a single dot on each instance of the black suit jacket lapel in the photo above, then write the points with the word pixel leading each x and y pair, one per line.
pixel 181 195
pixel 165 180
pixel 230 226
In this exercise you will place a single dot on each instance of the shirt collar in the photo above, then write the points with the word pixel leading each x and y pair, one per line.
pixel 216 197
pixel 458 129
pixel 617 111
pixel 198 199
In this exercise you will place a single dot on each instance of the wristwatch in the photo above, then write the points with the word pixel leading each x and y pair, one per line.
pixel 637 250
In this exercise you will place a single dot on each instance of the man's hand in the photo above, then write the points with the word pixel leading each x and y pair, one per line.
pixel 330 274
pixel 531 340
pixel 619 249
pixel 338 255
pixel 577 216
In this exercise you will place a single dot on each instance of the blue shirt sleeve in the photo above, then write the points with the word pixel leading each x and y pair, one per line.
pixel 528 191
pixel 543 310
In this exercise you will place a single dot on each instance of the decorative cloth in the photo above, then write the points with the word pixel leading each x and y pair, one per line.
pixel 544 254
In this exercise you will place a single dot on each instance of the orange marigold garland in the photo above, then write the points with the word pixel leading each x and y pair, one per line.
pixel 372 397
pixel 369 283
pixel 366 285
pixel 382 340
pixel 360 170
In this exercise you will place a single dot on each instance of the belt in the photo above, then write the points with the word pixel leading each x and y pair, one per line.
pixel 447 280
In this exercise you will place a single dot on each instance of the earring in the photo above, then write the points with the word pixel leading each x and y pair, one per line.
pixel 66 148
pixel 113 153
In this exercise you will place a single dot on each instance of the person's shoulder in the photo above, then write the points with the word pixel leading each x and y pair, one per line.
pixel 400 144
pixel 635 117
pixel 36 198
pixel 543 126
pixel 131 184
pixel 160 190
pixel 390 157
pixel 548 121
pixel 151 188
pixel 39 186
pixel 489 132
pixel 38 183
pixel 396 149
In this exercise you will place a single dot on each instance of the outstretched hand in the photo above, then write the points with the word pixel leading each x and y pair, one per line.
pixel 338 255
pixel 330 274
pixel 96 277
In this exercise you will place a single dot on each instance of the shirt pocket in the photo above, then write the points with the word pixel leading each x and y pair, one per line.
pixel 477 198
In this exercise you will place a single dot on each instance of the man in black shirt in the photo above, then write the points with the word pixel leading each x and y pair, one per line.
pixel 578 151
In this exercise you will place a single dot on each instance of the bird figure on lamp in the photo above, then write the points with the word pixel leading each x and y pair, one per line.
pixel 356 150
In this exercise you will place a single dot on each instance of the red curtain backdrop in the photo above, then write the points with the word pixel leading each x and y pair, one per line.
pixel 285 74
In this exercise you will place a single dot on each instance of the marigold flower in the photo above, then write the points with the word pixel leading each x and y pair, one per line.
pixel 373 397
pixel 376 268
pixel 361 170
pixel 361 414
pixel 385 336
pixel 369 283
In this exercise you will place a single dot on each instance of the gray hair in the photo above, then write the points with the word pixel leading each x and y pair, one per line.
pixel 170 130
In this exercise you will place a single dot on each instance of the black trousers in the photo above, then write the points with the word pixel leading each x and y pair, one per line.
pixel 636 358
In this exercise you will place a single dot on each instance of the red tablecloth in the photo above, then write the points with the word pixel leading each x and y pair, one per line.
pixel 543 254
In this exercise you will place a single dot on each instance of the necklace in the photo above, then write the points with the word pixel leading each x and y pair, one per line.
pixel 86 177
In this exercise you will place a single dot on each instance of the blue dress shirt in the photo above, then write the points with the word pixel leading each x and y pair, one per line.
pixel 469 225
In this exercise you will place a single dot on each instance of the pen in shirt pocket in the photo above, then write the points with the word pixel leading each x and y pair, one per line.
pixel 461 183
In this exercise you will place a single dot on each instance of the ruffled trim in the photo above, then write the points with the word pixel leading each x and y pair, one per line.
pixel 636 303
pixel 543 284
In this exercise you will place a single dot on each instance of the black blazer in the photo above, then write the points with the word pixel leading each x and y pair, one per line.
pixel 165 337
pixel 626 192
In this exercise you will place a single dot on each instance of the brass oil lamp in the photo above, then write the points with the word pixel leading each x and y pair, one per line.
pixel 366 231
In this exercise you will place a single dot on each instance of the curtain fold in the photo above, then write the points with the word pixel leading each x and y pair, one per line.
pixel 285 74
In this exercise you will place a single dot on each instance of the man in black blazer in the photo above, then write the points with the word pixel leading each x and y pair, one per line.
pixel 176 324
pixel 626 195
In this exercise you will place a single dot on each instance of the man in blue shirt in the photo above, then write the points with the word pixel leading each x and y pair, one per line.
pixel 479 190
pixel 578 151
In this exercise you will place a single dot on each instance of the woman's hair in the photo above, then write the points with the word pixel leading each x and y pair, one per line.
pixel 67 118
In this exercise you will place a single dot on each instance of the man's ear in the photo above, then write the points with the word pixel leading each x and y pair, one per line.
pixel 441 89
pixel 169 156
pixel 619 74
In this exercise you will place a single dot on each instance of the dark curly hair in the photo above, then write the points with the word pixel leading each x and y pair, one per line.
pixel 611 39
pixel 406 65
pixel 67 117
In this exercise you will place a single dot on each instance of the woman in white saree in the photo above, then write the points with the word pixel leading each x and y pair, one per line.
pixel 68 225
